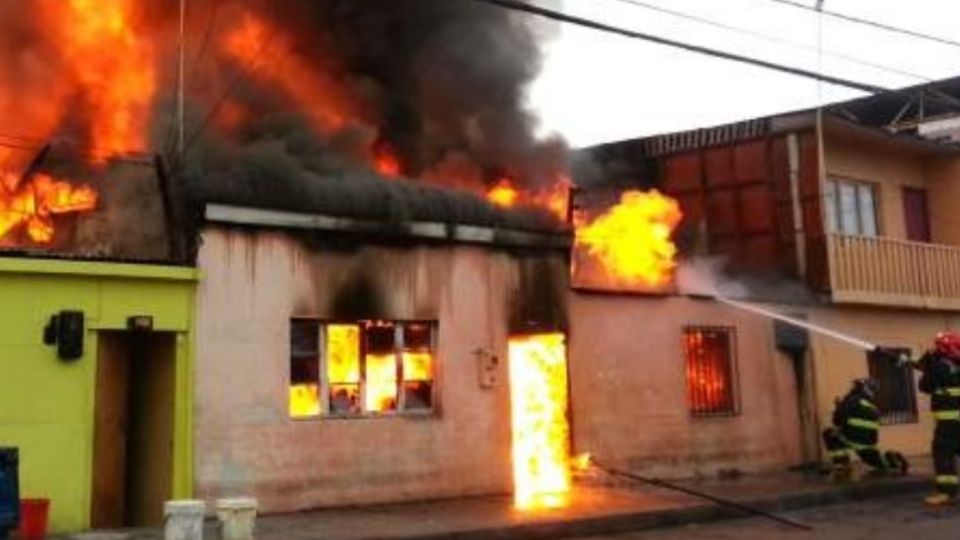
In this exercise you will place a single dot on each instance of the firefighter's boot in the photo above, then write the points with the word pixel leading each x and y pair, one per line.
pixel 897 463
pixel 939 500
pixel 842 473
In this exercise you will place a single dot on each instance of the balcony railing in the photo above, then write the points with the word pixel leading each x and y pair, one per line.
pixel 887 271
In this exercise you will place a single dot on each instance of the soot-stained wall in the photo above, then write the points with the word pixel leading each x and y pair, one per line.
pixel 256 281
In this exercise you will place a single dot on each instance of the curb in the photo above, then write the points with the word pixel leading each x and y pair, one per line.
pixel 705 513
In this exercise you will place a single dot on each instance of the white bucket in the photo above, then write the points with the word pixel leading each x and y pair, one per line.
pixel 183 520
pixel 237 517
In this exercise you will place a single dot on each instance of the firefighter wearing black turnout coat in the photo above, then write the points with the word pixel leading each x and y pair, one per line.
pixel 940 379
pixel 856 423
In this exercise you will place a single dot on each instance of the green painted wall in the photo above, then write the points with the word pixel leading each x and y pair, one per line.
pixel 47 405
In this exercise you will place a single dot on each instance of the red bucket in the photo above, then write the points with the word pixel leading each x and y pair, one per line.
pixel 33 518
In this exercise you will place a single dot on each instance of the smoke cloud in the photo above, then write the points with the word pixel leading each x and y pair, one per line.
pixel 296 104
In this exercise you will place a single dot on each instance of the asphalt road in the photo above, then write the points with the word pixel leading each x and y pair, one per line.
pixel 895 518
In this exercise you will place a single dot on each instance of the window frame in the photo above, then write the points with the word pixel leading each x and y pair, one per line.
pixel 901 417
pixel 833 212
pixel 324 382
pixel 733 369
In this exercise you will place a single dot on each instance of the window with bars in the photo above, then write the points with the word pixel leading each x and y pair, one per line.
pixel 711 370
pixel 361 368
pixel 896 393
pixel 850 207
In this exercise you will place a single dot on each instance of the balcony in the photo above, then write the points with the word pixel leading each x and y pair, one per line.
pixel 886 271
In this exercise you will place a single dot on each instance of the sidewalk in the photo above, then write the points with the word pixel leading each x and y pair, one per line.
pixel 597 507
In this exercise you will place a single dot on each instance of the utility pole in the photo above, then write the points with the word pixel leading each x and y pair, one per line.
pixel 180 80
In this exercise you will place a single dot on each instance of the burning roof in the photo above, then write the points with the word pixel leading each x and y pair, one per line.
pixel 314 106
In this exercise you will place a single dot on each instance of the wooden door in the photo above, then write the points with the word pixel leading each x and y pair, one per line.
pixel 111 420
pixel 916 214
pixel 133 433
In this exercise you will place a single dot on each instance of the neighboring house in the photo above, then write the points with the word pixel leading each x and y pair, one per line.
pixel 100 409
pixel 105 435
pixel 845 217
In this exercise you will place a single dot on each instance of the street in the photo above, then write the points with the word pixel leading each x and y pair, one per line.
pixel 880 519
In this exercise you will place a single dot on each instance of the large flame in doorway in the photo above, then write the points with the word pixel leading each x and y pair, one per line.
pixel 541 432
pixel 632 241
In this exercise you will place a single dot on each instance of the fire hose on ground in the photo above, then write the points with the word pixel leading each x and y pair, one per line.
pixel 699 494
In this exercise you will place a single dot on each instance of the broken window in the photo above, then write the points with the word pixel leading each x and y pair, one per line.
pixel 364 367
pixel 896 392
pixel 711 382
pixel 304 369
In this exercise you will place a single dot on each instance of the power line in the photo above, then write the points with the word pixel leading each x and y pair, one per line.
pixel 515 5
pixel 170 135
pixel 772 39
pixel 867 22
pixel 238 77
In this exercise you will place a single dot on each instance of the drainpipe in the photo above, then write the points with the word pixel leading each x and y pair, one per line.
pixel 799 235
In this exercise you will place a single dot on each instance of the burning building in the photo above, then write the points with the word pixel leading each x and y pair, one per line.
pixel 380 236
pixel 837 216
pixel 358 277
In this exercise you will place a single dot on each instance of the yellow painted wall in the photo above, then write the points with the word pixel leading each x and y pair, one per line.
pixel 892 169
pixel 889 168
pixel 47 405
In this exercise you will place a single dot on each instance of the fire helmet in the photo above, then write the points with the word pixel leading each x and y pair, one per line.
pixel 948 343
pixel 867 385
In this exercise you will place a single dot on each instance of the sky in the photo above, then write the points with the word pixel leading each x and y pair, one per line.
pixel 597 87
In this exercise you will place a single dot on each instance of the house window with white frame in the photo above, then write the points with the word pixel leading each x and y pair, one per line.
pixel 850 207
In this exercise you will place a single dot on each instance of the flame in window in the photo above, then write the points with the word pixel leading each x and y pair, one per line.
pixel 708 371
pixel 632 241
pixel 541 433
pixel 381 390
pixel 304 400
pixel 417 366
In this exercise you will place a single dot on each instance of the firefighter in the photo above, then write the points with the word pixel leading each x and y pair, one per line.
pixel 856 422
pixel 940 378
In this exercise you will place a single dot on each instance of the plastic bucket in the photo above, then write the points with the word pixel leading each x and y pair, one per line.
pixel 183 520
pixel 34 514
pixel 237 518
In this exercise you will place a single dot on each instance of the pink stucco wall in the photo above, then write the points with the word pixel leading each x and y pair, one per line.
pixel 254 282
pixel 627 373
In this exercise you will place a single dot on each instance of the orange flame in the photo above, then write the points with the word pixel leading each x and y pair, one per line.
pixel 304 400
pixel 34 204
pixel 554 198
pixel 113 67
pixel 581 462
pixel 381 389
pixel 503 194
pixel 265 51
pixel 632 240
pixel 385 160
pixel 541 433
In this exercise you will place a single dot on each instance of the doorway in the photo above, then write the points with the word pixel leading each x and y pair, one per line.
pixel 916 214
pixel 133 428
pixel 540 429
